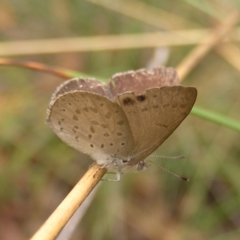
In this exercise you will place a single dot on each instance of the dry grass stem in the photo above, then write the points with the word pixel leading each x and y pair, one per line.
pixel 231 53
pixel 36 66
pixel 213 38
pixel 54 224
pixel 145 13
pixel 107 42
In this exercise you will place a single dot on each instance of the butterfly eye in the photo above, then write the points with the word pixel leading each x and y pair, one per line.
pixel 140 166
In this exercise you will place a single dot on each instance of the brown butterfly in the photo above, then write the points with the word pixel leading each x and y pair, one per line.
pixel 123 122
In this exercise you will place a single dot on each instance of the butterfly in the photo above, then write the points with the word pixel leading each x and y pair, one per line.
pixel 121 123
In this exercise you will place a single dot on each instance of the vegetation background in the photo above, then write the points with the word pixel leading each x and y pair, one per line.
pixel 37 169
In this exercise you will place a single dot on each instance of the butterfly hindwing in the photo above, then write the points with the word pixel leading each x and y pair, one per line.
pixel 140 80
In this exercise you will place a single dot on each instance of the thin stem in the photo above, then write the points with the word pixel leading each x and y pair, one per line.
pixel 108 42
pixel 66 74
pixel 231 53
pixel 216 118
pixel 51 228
pixel 213 38
pixel 145 13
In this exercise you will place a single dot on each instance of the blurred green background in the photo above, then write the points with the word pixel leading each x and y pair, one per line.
pixel 37 169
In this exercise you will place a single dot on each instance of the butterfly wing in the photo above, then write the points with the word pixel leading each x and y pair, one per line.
pixel 140 80
pixel 154 115
pixel 82 84
pixel 92 124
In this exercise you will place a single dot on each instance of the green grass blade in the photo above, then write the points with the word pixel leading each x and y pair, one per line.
pixel 216 118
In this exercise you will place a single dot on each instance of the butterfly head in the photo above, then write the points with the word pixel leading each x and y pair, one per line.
pixel 141 166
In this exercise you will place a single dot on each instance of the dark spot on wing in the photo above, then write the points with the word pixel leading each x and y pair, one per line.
pixel 92 129
pixel 108 115
pixel 128 101
pixel 144 109
pixel 95 123
pixel 93 109
pixel 75 117
pixel 166 105
pixel 162 125
pixel 120 122
pixel 141 98
pixel 78 111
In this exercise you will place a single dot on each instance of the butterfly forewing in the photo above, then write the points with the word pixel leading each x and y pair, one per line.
pixel 153 116
pixel 91 124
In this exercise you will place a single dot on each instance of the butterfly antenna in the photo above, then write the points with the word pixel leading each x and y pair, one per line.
pixel 172 173
pixel 167 157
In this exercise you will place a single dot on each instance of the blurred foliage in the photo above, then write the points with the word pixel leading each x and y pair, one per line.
pixel 37 170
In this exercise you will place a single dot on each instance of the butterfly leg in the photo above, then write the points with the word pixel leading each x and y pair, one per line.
pixel 118 177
